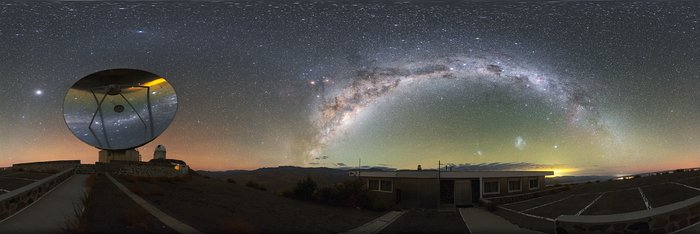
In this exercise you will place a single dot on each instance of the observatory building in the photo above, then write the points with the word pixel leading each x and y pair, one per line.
pixel 433 189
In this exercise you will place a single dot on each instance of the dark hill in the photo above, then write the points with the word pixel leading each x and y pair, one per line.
pixel 279 179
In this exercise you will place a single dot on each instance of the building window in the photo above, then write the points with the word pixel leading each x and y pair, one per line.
pixel 380 185
pixel 491 187
pixel 514 185
pixel 373 185
pixel 385 186
pixel 534 183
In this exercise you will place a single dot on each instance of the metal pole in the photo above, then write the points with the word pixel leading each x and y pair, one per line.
pixel 439 185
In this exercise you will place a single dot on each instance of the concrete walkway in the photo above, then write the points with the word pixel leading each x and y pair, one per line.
pixel 378 224
pixel 692 229
pixel 481 221
pixel 50 213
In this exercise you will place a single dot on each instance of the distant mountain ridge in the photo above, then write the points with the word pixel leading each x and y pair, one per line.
pixel 280 179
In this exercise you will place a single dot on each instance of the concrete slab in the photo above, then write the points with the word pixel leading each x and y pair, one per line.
pixel 481 221
pixel 378 224
pixel 50 213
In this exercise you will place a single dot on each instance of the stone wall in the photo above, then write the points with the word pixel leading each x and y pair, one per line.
pixel 138 169
pixel 49 166
pixel 664 219
pixel 17 199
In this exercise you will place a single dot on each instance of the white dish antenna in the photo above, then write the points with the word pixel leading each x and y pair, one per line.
pixel 119 109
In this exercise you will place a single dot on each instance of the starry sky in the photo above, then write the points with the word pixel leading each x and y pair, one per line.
pixel 576 87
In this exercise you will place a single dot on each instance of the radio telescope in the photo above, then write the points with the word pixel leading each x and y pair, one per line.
pixel 119 110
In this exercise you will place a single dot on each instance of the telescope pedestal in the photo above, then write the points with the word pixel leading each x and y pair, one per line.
pixel 121 155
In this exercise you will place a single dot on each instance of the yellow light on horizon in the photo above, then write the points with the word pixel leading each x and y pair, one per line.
pixel 155 82
pixel 562 172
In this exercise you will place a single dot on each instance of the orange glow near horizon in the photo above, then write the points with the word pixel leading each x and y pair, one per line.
pixel 154 82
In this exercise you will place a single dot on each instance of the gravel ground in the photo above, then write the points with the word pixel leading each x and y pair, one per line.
pixel 111 211
pixel 212 205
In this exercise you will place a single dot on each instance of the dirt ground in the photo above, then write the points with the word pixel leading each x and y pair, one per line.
pixel 212 205
pixel 110 211
pixel 428 221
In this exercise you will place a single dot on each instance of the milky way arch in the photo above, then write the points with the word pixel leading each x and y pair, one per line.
pixel 369 85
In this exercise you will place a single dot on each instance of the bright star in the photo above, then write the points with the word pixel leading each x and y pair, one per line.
pixel 140 31
pixel 38 92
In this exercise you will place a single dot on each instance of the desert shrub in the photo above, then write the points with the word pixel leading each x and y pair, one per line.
pixel 206 176
pixel 231 180
pixel 255 185
pixel 304 190
pixel 351 193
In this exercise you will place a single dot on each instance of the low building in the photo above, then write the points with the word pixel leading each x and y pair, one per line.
pixel 433 189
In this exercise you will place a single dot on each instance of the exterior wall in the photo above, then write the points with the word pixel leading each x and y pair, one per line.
pixel 524 185
pixel 413 192
pixel 422 193
pixel 50 166
pixel 425 192
pixel 16 200
pixel 121 155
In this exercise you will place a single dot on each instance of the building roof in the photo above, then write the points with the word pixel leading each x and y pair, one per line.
pixel 450 174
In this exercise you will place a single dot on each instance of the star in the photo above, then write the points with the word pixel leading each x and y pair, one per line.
pixel 38 92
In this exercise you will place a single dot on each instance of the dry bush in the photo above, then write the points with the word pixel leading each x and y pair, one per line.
pixel 237 225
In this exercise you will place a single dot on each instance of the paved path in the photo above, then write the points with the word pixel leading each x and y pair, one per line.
pixel 692 229
pixel 50 213
pixel 378 224
pixel 481 221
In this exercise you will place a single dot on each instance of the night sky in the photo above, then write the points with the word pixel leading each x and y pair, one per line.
pixel 576 87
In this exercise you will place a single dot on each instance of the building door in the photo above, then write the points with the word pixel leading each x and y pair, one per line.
pixel 463 193
pixel 447 191
pixel 476 191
